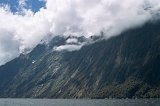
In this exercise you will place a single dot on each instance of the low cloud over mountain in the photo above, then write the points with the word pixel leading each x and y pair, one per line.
pixel 21 31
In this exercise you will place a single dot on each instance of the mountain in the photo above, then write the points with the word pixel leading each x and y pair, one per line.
pixel 124 66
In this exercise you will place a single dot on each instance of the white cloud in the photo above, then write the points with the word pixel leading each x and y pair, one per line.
pixel 67 47
pixel 9 47
pixel 65 17
pixel 22 2
pixel 72 40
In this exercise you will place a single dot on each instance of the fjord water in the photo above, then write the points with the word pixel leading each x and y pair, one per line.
pixel 79 102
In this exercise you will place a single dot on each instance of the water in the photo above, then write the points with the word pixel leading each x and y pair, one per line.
pixel 79 102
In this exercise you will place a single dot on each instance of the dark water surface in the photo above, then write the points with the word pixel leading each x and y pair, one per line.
pixel 79 102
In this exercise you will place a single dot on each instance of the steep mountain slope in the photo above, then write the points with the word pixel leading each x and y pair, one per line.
pixel 127 65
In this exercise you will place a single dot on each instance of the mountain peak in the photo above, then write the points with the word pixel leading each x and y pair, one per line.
pixel 124 66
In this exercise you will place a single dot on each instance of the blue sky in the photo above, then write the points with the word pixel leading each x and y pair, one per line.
pixel 34 5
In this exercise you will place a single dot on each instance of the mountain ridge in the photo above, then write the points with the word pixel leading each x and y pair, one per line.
pixel 124 66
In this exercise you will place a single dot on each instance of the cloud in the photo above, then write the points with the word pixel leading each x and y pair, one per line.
pixel 67 47
pixel 22 3
pixel 9 47
pixel 72 40
pixel 25 29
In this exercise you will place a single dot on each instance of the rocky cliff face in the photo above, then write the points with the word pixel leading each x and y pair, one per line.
pixel 127 65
